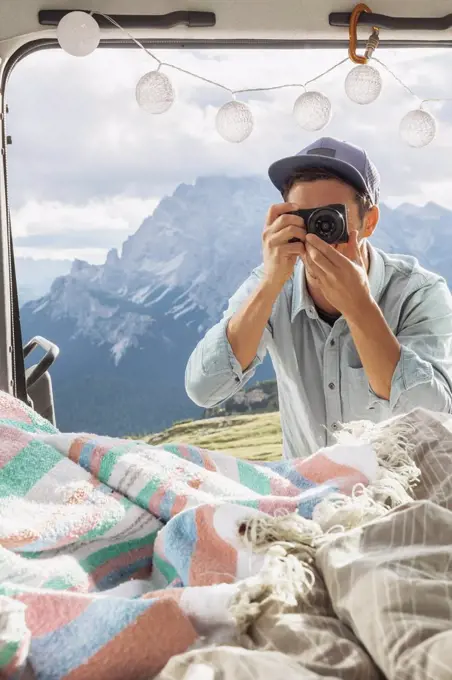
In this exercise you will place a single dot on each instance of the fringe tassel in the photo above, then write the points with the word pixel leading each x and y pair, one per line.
pixel 290 541
pixel 341 512
pixel 287 574
pixel 393 443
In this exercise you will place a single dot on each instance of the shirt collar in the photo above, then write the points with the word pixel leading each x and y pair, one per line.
pixel 300 295
pixel 301 299
pixel 376 272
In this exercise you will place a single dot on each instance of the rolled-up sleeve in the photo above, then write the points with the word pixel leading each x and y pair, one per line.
pixel 213 373
pixel 423 375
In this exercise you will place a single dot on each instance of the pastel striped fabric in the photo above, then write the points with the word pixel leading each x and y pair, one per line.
pixel 116 555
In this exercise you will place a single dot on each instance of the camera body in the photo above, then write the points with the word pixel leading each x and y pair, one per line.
pixel 328 222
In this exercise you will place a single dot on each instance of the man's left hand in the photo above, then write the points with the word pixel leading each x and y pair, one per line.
pixel 342 277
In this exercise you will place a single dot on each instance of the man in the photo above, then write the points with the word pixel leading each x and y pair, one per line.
pixel 353 333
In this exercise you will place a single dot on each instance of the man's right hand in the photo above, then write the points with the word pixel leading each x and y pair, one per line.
pixel 280 256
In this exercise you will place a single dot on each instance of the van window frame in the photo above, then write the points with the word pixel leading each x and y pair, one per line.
pixel 12 378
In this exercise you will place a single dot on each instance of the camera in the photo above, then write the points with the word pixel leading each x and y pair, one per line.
pixel 328 223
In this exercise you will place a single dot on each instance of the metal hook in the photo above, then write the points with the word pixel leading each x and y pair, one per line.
pixel 353 36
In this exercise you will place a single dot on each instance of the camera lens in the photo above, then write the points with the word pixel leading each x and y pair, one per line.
pixel 328 224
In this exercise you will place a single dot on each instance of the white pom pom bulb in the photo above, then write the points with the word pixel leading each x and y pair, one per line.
pixel 363 84
pixel 78 34
pixel 312 110
pixel 154 92
pixel 418 128
pixel 234 121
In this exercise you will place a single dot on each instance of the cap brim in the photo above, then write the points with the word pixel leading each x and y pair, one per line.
pixel 281 171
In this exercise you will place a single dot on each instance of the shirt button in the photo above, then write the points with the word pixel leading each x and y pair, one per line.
pixel 332 343
pixel 331 386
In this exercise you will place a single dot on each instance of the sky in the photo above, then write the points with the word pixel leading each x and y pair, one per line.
pixel 87 165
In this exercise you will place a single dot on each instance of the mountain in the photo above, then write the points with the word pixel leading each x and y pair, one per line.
pixel 423 232
pixel 126 328
pixel 35 277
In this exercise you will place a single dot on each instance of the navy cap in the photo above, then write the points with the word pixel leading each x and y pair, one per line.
pixel 345 160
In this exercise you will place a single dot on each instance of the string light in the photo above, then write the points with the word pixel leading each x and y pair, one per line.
pixel 154 92
pixel 312 111
pixel 79 34
pixel 234 121
pixel 363 84
pixel 418 128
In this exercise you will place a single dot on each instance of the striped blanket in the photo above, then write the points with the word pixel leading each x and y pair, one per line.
pixel 116 555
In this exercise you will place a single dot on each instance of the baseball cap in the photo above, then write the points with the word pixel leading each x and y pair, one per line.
pixel 347 161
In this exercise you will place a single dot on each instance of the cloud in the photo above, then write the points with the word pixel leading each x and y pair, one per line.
pixel 92 255
pixel 43 228
pixel 73 240
pixel 120 213
pixel 86 159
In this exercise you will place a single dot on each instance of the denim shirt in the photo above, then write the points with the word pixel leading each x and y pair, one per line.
pixel 320 377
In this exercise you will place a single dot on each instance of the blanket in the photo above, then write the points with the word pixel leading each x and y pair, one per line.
pixel 122 560
pixel 116 555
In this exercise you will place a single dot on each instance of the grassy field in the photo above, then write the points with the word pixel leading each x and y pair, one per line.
pixel 255 437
